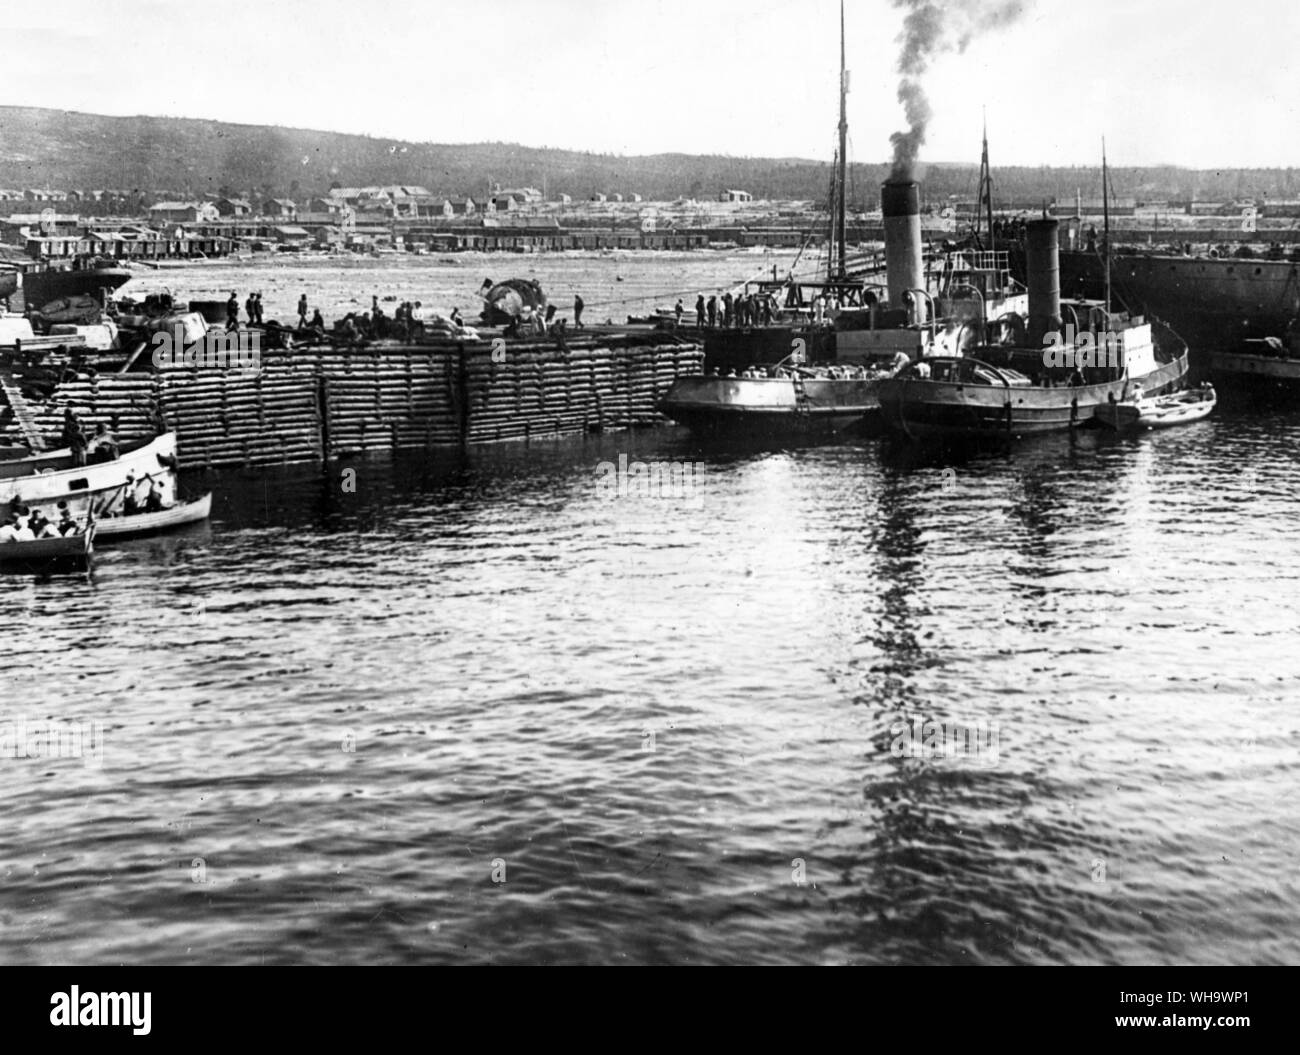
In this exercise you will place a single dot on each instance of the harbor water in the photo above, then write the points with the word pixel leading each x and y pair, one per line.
pixel 514 705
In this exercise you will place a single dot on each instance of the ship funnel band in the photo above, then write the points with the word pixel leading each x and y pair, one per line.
pixel 900 198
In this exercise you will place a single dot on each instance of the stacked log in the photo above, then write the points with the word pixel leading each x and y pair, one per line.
pixel 379 400
pixel 238 417
pixel 326 403
pixel 132 398
pixel 540 390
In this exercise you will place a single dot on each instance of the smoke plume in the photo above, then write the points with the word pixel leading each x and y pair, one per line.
pixel 930 28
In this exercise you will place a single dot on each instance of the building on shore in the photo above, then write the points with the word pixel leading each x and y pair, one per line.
pixel 522 195
pixel 18 227
pixel 279 208
pixel 183 212
pixel 292 236
pixel 234 207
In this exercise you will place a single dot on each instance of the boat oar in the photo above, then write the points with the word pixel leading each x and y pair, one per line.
pixel 116 494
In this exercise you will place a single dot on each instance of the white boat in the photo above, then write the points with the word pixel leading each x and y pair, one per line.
pixel 1162 412
pixel 21 461
pixel 48 485
pixel 72 549
pixel 105 501
pixel 151 523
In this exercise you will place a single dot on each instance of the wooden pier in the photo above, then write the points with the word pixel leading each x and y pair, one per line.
pixel 321 404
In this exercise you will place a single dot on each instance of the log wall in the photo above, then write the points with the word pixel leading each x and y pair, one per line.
pixel 326 404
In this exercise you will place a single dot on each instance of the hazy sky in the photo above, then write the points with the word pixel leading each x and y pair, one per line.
pixel 1166 81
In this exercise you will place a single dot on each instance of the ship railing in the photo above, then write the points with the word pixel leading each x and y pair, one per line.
pixel 979 260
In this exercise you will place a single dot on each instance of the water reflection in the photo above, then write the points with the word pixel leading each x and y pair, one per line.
pixel 650 708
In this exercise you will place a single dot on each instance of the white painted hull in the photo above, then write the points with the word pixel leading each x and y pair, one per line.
pixel 152 523
pixel 157 456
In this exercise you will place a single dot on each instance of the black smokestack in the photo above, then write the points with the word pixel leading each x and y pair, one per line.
pixel 1043 277
pixel 900 204
pixel 930 28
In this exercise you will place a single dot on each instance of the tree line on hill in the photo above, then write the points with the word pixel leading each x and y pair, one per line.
pixel 66 150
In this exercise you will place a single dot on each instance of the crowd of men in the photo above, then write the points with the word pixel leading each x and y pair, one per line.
pixel 27 525
pixel 408 322
pixel 730 311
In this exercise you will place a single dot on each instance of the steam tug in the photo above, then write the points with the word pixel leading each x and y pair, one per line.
pixel 1037 374
pixel 756 380
pixel 820 366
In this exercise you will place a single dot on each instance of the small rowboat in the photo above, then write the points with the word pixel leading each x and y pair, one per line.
pixel 64 550
pixel 150 523
pixel 1162 412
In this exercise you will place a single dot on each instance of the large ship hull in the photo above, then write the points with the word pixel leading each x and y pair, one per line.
pixel 1255 372
pixel 1214 302
pixel 924 409
pixel 769 405
pixel 39 288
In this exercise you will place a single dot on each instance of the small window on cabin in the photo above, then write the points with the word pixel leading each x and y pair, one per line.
pixel 78 485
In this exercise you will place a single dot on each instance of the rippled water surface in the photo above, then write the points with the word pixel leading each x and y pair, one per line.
pixel 477 711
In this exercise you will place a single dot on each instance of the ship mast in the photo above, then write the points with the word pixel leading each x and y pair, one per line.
pixel 1105 212
pixel 841 166
pixel 985 204
pixel 832 225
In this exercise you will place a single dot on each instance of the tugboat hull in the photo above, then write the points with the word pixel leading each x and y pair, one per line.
pixel 767 405
pixel 924 409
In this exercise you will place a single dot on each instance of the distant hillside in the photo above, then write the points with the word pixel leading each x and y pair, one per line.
pixel 66 151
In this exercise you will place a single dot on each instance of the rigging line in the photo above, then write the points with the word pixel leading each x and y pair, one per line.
pixel 852 180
